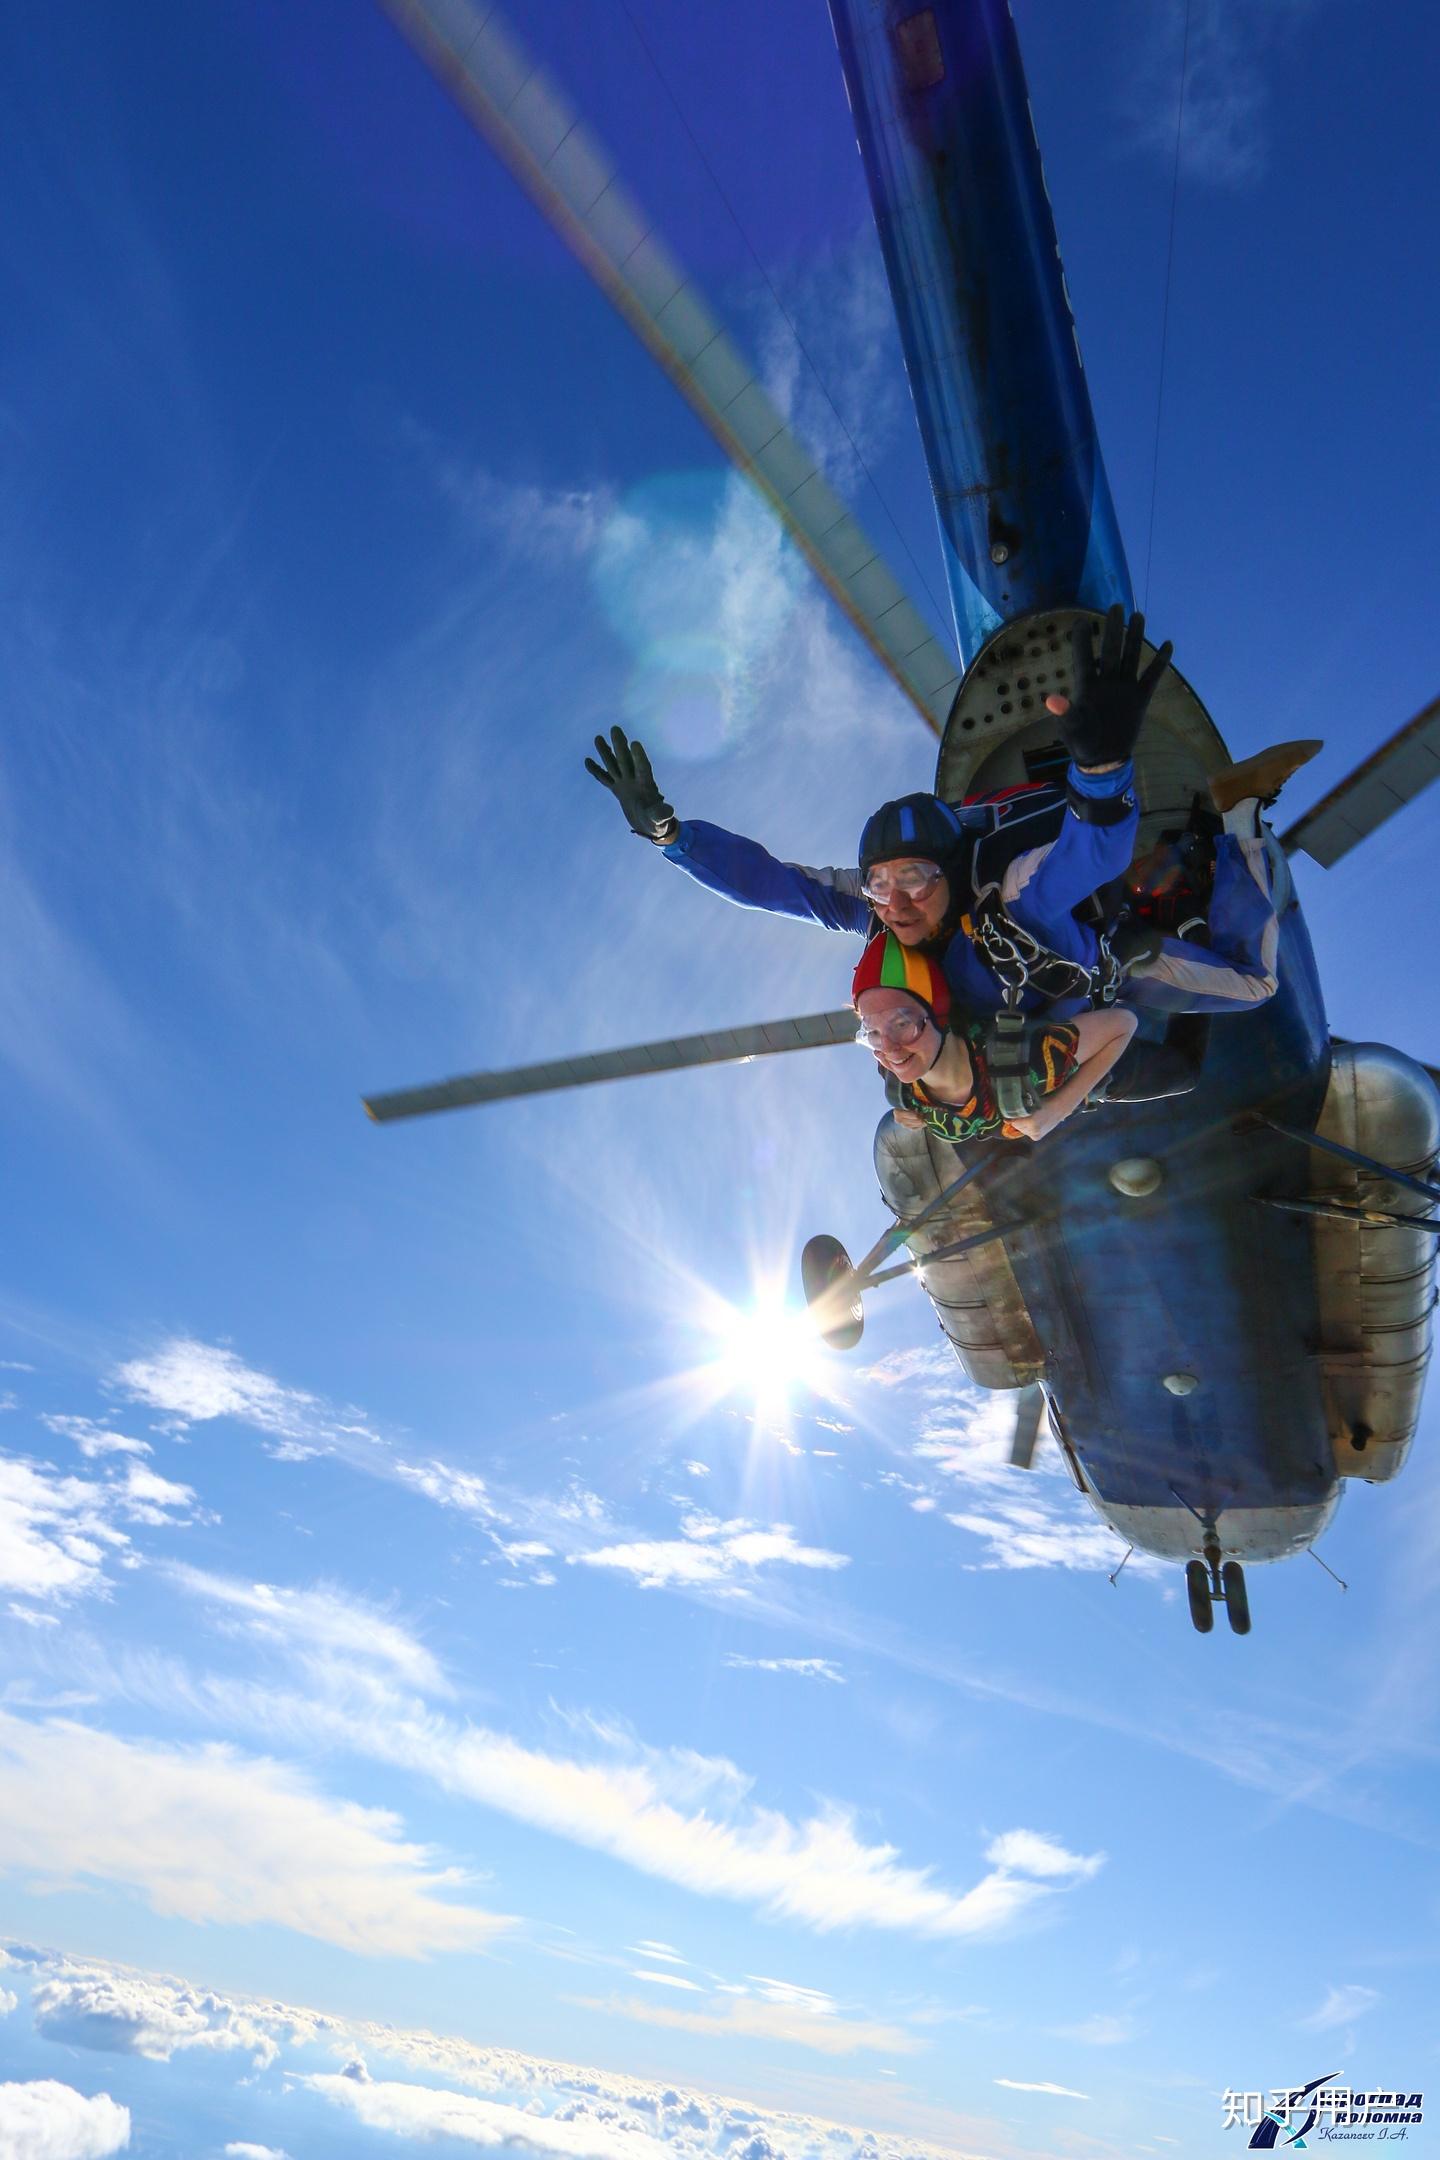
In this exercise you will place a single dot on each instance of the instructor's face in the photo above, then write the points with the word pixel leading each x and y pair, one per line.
pixel 914 921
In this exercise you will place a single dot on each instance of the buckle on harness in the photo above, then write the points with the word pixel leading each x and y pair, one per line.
pixel 1020 962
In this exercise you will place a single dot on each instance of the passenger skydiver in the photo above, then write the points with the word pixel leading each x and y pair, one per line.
pixel 937 1058
pixel 914 875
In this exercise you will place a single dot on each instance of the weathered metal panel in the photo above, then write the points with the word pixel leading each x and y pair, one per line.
pixel 976 1297
pixel 1376 1287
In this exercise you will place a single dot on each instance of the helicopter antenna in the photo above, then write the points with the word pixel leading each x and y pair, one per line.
pixel 786 317
pixel 1328 1569
pixel 1165 311
pixel 1114 1579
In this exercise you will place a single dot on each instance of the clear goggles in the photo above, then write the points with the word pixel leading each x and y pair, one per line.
pixel 901 1031
pixel 915 880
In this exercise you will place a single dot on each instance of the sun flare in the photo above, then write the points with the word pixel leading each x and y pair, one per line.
pixel 770 1351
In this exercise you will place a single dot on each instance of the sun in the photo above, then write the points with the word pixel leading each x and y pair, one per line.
pixel 767 1350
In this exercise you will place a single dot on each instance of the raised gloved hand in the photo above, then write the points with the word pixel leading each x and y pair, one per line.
pixel 624 769
pixel 1100 723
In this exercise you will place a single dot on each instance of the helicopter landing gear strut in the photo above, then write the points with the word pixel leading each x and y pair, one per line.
pixel 835 1285
pixel 1211 1582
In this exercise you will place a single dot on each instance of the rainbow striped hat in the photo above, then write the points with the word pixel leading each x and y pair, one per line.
pixel 886 964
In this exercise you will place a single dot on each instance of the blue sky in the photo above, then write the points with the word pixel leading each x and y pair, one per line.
pixel 440 1699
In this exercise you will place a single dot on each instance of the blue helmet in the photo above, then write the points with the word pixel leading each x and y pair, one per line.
pixel 916 825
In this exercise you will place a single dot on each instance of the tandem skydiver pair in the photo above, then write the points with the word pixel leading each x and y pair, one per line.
pixel 1006 898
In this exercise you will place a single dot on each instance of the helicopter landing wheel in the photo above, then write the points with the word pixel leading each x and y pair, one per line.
pixel 1197 1587
pixel 824 1268
pixel 1237 1597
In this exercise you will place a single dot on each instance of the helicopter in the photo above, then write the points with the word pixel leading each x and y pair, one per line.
pixel 1217 1302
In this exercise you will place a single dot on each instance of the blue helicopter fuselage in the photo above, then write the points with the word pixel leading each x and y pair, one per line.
pixel 1183 1337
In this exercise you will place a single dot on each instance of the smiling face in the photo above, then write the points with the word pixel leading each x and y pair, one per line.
pixel 914 921
pixel 888 1018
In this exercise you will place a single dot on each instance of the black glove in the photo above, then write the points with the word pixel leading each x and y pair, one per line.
pixel 1110 696
pixel 625 770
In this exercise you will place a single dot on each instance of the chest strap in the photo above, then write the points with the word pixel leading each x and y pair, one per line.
pixel 1020 962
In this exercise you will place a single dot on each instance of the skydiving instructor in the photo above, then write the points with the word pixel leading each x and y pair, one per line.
pixel 913 853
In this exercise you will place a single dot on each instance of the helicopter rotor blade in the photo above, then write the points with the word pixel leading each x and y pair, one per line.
pixel 572 181
pixel 721 1046
pixel 1029 1419
pixel 1390 777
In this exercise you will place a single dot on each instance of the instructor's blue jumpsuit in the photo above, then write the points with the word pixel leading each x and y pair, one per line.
pixel 1040 890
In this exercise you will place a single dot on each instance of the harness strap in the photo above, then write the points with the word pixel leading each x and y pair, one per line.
pixel 1020 962
pixel 1007 1053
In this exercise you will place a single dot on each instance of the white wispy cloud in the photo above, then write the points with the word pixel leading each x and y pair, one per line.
pixel 748 2017
pixel 45 2120
pixel 543 527
pixel 146 1497
pixel 668 1813
pixel 1032 1854
pixel 241 2151
pixel 710 1552
pixel 54 1531
pixel 1101 2030
pixel 318 1625
pixel 1062 2092
pixel 1234 53
pixel 450 1487
pixel 208 1834
pixel 1024 1518
pixel 1342 2005
pixel 817 1871
pixel 806 1668
pixel 196 1382
pixel 94 1439
pixel 57 1532
pixel 664 1979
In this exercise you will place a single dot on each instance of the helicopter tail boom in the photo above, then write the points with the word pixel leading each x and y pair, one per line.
pixel 948 143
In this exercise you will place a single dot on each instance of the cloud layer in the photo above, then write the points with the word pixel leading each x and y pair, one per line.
pixel 207 1834
pixel 436 2086
pixel 44 2120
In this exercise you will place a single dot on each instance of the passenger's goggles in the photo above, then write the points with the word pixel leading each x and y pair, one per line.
pixel 899 1032
pixel 915 880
